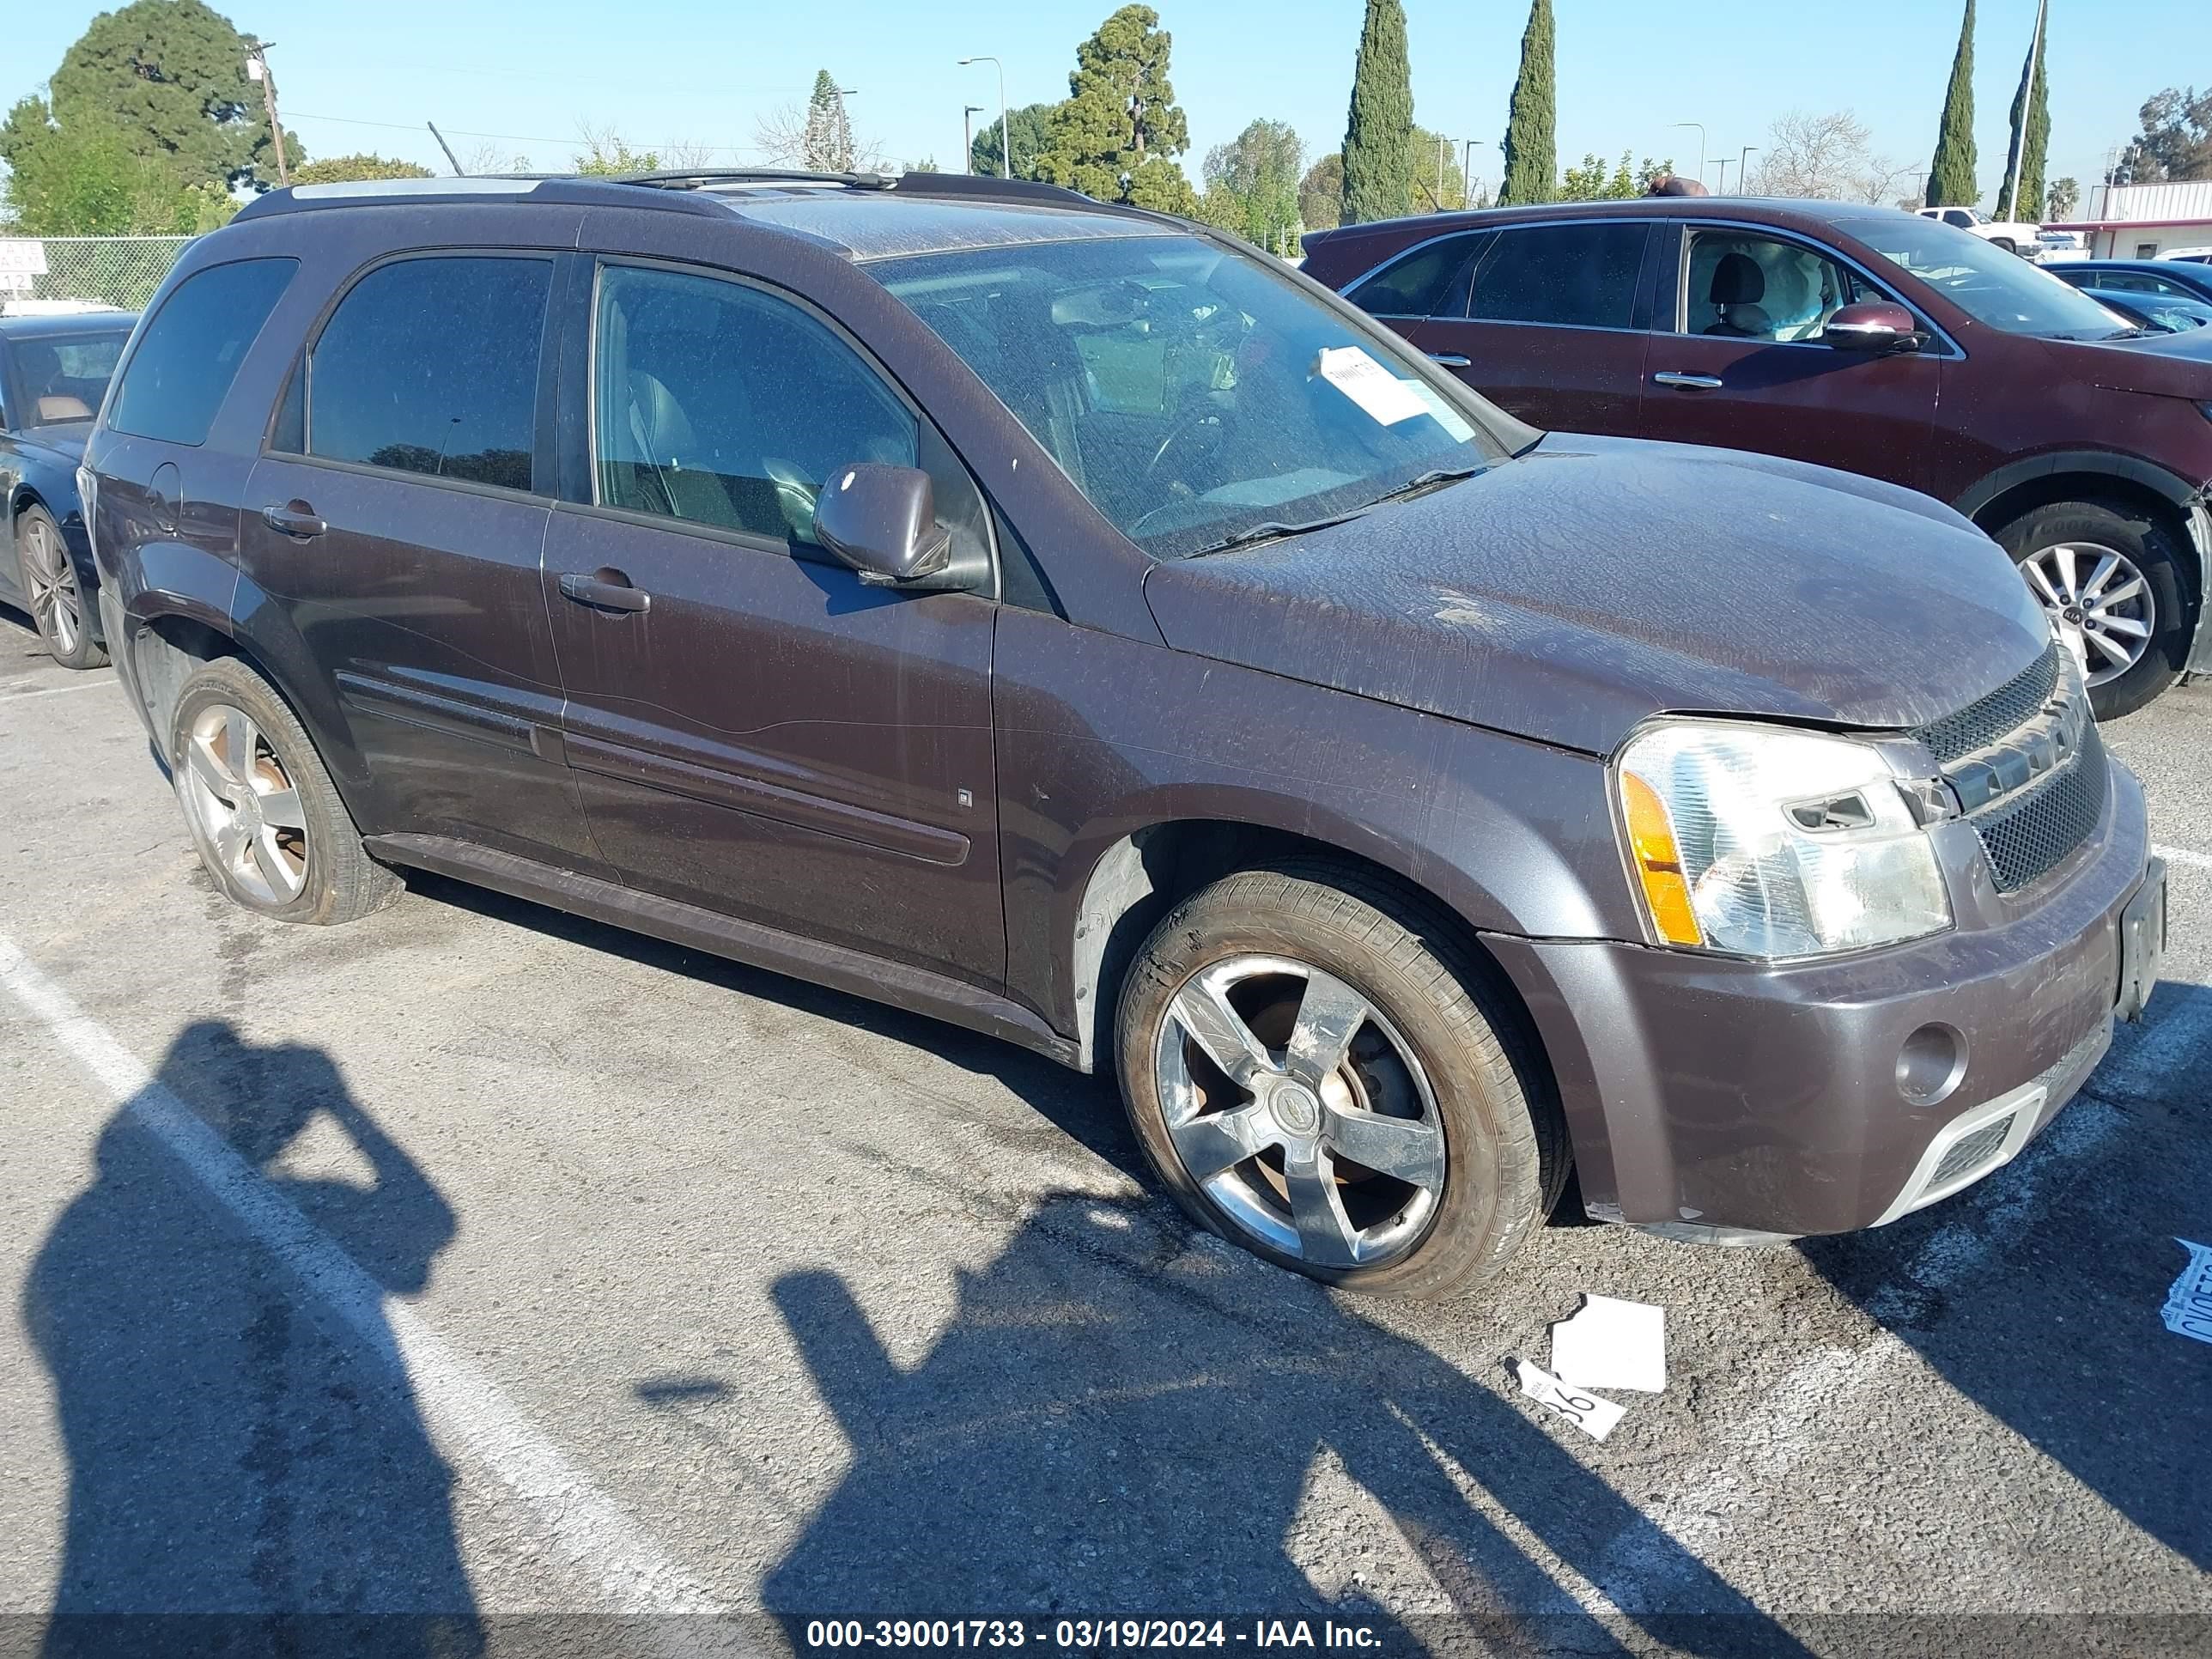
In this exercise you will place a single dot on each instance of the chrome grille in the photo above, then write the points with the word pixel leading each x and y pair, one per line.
pixel 2030 833
pixel 1981 724
pixel 1972 1151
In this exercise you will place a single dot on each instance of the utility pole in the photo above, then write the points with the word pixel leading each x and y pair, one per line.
pixel 256 68
pixel 1441 143
pixel 445 147
pixel 1723 164
pixel 2026 107
pixel 968 114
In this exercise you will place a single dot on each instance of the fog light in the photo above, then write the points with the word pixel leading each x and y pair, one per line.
pixel 1930 1064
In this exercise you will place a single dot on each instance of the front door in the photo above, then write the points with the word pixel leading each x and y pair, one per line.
pixel 754 729
pixel 1547 324
pixel 397 520
pixel 1740 363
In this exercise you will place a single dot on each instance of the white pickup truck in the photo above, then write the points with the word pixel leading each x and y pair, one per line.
pixel 2010 235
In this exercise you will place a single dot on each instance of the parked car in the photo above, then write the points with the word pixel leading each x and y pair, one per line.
pixel 2178 279
pixel 1064 621
pixel 2013 235
pixel 2196 256
pixel 2059 247
pixel 53 372
pixel 1855 337
pixel 2151 313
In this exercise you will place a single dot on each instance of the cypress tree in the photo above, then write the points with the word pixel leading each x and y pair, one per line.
pixel 2031 130
pixel 1951 174
pixel 1531 149
pixel 1378 133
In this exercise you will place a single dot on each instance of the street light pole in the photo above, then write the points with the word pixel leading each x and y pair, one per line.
pixel 968 114
pixel 1700 126
pixel 2026 108
pixel 1467 173
pixel 1006 127
pixel 1723 164
pixel 1741 173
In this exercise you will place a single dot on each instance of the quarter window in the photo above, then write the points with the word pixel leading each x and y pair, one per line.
pixel 1420 283
pixel 191 351
pixel 720 405
pixel 430 366
pixel 1569 275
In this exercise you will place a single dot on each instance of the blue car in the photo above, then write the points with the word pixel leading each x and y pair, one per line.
pixel 2177 279
pixel 53 372
pixel 2154 314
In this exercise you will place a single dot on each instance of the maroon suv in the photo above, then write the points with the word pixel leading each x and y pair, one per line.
pixel 1067 622
pixel 1858 337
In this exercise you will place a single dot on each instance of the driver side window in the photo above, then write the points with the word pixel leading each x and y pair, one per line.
pixel 1755 287
pixel 720 405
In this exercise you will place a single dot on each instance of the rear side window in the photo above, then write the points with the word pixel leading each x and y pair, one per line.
pixel 430 366
pixel 1417 285
pixel 190 352
pixel 1569 275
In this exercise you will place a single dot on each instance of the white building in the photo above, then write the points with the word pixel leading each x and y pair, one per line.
pixel 2141 221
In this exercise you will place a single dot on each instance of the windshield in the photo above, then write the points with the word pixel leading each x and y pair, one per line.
pixel 1988 283
pixel 1196 396
pixel 63 376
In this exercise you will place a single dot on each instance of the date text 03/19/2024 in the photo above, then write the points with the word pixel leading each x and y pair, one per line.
pixel 1086 1635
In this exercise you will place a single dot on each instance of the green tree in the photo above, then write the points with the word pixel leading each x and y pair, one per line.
pixel 1116 137
pixel 927 164
pixel 1439 182
pixel 88 179
pixel 1032 133
pixel 827 145
pixel 168 77
pixel 606 154
pixel 1531 148
pixel 2031 132
pixel 1378 131
pixel 1321 193
pixel 1252 183
pixel 346 169
pixel 1594 181
pixel 2176 140
pixel 1951 174
pixel 2065 196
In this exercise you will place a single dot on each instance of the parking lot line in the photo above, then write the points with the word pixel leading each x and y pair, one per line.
pixel 636 1575
pixel 2183 855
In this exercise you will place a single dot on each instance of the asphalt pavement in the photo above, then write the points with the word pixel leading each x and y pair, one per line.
pixel 475 1279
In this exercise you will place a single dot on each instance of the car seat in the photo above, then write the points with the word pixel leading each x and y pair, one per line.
pixel 1738 286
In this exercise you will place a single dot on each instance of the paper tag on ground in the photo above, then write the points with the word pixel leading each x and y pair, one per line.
pixel 1612 1344
pixel 1367 383
pixel 1592 1416
pixel 2188 1310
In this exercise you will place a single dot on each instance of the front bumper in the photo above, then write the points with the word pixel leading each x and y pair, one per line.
pixel 1707 1093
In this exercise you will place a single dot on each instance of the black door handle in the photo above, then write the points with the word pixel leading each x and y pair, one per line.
pixel 604 595
pixel 293 519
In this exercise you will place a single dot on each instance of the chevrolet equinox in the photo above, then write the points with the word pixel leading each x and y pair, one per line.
pixel 1064 621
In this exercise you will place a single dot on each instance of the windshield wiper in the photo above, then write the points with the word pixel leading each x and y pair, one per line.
pixel 1274 530
pixel 1434 478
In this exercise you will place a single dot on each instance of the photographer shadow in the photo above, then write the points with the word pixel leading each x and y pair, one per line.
pixel 248 1469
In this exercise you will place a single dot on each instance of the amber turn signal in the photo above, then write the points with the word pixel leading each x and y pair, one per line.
pixel 1659 864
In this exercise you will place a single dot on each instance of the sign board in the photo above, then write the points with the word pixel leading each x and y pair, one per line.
pixel 22 256
pixel 15 281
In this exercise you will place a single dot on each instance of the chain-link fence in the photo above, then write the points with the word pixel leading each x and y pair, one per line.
pixel 116 270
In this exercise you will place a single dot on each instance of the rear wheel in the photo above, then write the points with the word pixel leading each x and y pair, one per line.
pixel 266 818
pixel 1320 1073
pixel 52 590
pixel 2110 578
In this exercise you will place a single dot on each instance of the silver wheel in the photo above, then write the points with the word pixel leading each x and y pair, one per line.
pixel 1300 1110
pixel 56 605
pixel 244 805
pixel 2104 610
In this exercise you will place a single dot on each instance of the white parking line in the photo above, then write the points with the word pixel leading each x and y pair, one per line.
pixel 2183 855
pixel 56 690
pixel 636 1575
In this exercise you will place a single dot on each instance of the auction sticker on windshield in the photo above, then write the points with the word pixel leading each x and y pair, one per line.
pixel 1367 383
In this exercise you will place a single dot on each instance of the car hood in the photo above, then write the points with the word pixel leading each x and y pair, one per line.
pixel 2163 364
pixel 1593 582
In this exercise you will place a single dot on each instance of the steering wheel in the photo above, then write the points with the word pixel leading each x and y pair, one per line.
pixel 1203 415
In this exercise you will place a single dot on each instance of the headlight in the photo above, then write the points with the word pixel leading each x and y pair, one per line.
pixel 1760 842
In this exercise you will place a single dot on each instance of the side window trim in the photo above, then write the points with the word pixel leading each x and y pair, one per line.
pixel 1500 240
pixel 1856 269
pixel 544 478
pixel 579 405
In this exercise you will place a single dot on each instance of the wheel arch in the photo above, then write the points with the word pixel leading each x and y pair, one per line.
pixel 2089 476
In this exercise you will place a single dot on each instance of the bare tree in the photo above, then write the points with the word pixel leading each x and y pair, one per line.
pixel 780 136
pixel 1825 158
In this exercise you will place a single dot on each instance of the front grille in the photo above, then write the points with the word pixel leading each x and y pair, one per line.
pixel 2028 833
pixel 2005 709
pixel 1971 1152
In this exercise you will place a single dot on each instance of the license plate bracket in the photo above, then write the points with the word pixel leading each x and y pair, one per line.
pixel 2142 943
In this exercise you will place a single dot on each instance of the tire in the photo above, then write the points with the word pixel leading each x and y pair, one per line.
pixel 53 592
pixel 293 854
pixel 2039 543
pixel 1450 1052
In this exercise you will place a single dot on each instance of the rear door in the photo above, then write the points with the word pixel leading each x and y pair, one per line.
pixel 1547 322
pixel 755 730
pixel 1737 360
pixel 397 520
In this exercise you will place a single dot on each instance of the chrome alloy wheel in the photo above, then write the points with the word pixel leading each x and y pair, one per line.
pixel 56 605
pixel 1301 1110
pixel 243 805
pixel 2104 610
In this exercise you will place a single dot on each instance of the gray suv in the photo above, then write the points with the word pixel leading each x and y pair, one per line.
pixel 1062 620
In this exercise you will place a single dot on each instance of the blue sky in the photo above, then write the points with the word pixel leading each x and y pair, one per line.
pixel 688 70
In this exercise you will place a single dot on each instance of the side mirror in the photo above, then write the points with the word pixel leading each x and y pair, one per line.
pixel 1873 325
pixel 882 520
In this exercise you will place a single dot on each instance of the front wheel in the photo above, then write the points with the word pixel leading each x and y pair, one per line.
pixel 2110 579
pixel 1320 1073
